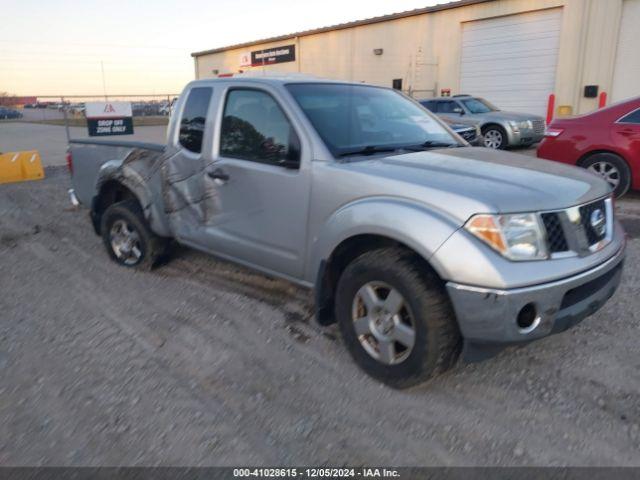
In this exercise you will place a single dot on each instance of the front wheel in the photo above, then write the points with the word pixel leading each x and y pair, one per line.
pixel 395 318
pixel 494 137
pixel 128 238
pixel 613 169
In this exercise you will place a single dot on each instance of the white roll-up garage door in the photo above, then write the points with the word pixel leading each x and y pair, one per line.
pixel 626 75
pixel 511 61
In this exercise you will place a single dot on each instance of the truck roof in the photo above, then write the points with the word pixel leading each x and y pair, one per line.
pixel 271 79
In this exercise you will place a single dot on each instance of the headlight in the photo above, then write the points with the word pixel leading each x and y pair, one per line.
pixel 525 124
pixel 517 236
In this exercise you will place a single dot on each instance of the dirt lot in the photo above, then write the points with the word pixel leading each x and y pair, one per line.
pixel 204 363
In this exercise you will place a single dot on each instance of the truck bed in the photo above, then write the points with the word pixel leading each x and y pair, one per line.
pixel 90 155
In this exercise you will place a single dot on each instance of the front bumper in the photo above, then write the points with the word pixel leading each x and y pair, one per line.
pixel 489 316
pixel 523 136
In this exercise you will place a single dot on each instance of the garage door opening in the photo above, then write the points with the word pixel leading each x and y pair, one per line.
pixel 626 77
pixel 511 61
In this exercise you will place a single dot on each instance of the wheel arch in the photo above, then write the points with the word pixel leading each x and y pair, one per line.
pixel 486 126
pixel 634 175
pixel 585 156
pixel 110 191
pixel 128 182
pixel 344 253
pixel 371 223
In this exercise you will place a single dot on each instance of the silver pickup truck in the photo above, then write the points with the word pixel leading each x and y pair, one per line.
pixel 417 245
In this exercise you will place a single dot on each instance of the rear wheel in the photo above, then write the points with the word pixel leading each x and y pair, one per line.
pixel 395 318
pixel 494 137
pixel 128 238
pixel 613 169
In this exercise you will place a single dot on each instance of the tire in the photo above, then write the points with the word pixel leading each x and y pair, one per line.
pixel 494 137
pixel 128 238
pixel 612 168
pixel 425 308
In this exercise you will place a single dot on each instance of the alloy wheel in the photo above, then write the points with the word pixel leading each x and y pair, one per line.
pixel 492 139
pixel 125 242
pixel 608 171
pixel 383 323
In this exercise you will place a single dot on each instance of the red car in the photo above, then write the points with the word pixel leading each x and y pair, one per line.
pixel 606 142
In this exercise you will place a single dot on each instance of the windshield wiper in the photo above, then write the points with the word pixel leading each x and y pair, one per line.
pixel 368 150
pixel 431 144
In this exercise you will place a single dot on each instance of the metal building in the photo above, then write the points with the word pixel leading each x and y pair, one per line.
pixel 512 52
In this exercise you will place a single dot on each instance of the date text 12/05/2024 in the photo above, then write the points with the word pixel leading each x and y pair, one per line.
pixel 316 472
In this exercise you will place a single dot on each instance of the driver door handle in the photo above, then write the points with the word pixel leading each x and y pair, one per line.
pixel 219 175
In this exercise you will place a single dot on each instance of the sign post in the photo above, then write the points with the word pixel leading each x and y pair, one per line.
pixel 66 119
pixel 109 118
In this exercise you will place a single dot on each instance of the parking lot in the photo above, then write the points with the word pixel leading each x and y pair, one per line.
pixel 203 362
pixel 51 140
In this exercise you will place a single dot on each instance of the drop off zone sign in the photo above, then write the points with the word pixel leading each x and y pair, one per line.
pixel 109 118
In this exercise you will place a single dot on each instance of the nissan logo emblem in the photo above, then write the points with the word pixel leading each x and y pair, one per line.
pixel 598 222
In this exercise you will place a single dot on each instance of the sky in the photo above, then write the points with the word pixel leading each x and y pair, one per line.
pixel 60 47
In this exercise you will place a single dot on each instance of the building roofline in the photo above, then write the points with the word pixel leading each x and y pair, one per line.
pixel 343 26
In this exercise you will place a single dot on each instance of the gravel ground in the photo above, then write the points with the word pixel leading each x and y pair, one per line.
pixel 204 363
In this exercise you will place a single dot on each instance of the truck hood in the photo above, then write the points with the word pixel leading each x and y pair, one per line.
pixel 463 181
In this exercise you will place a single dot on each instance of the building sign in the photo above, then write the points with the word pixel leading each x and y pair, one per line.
pixel 286 53
pixel 109 118
pixel 110 126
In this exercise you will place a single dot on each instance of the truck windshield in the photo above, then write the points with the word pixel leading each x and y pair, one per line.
pixel 479 105
pixel 363 120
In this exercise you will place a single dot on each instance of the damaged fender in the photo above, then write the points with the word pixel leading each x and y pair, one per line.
pixel 174 192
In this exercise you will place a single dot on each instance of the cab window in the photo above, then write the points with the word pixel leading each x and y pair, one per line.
pixel 255 128
pixel 430 105
pixel 448 106
pixel 193 119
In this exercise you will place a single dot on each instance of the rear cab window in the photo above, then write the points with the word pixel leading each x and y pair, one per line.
pixel 194 117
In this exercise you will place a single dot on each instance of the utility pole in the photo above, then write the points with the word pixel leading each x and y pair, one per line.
pixel 104 83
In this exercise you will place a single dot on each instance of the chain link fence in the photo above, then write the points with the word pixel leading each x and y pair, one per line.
pixel 53 109
pixel 47 122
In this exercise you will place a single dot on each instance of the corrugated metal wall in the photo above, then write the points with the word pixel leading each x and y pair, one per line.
pixel 426 50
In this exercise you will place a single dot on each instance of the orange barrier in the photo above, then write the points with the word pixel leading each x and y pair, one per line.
pixel 20 167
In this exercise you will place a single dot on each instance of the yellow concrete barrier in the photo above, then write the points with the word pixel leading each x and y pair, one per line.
pixel 20 166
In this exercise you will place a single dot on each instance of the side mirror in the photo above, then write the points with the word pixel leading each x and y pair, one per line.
pixel 459 111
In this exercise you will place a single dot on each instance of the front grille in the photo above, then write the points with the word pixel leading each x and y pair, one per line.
pixel 577 229
pixel 557 241
pixel 593 236
pixel 538 126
